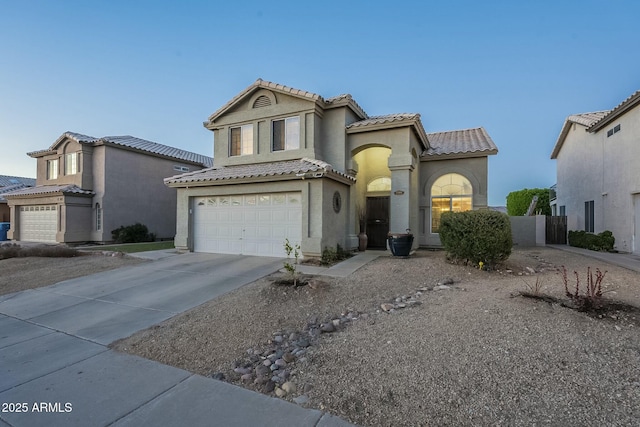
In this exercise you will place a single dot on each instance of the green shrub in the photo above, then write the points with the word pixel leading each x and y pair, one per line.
pixel 135 233
pixel 518 201
pixel 291 268
pixel 331 256
pixel 596 242
pixel 476 236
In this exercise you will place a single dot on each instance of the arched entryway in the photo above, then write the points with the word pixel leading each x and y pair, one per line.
pixel 372 194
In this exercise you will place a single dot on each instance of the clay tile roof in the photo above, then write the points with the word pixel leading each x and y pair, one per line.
pixel 461 142
pixel 584 119
pixel 135 143
pixel 292 168
pixel 388 118
pixel 626 105
pixel 155 148
pixel 391 120
pixel 588 119
pixel 50 189
pixel 347 99
pixel 265 85
pixel 6 181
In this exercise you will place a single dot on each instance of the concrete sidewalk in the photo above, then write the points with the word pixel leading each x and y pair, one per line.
pixel 344 268
pixel 56 368
pixel 626 260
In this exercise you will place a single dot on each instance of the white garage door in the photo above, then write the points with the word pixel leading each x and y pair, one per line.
pixel 253 224
pixel 38 223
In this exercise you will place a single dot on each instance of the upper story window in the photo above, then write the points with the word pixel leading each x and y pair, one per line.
pixel 241 143
pixel 180 168
pixel 71 163
pixel 52 169
pixel 286 134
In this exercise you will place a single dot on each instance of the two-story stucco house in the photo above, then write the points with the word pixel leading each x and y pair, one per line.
pixel 598 180
pixel 86 187
pixel 292 164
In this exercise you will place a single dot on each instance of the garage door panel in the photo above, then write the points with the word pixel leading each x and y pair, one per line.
pixel 38 223
pixel 254 224
pixel 250 216
pixel 237 231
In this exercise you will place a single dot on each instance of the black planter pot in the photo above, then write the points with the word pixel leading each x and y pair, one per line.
pixel 400 244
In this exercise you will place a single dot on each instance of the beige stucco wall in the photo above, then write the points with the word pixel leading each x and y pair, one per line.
pixel 261 118
pixel 75 215
pixel 83 178
pixel 14 206
pixel 376 150
pixel 134 191
pixel 334 224
pixel 4 212
pixel 592 166
pixel 321 227
pixel 389 153
pixel 474 169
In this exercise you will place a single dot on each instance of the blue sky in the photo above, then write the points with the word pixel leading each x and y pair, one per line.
pixel 157 69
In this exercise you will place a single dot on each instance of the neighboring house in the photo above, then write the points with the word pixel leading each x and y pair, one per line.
pixel 87 187
pixel 292 164
pixel 7 185
pixel 598 183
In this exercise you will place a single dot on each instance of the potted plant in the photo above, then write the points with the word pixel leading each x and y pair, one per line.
pixel 400 243
pixel 362 220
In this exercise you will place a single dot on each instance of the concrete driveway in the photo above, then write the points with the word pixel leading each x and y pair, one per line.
pixel 56 368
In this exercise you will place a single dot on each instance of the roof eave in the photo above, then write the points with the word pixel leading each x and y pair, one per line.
pixel 351 104
pixel 560 141
pixel 461 155
pixel 41 153
pixel 345 179
pixel 415 123
pixel 626 105
pixel 108 143
pixel 261 84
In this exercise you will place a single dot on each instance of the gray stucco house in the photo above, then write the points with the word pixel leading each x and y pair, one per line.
pixel 86 187
pixel 598 183
pixel 292 164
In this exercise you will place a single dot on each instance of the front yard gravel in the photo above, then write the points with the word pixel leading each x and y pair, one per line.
pixel 472 352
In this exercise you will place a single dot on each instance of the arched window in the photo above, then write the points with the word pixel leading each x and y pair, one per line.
pixel 379 184
pixel 450 192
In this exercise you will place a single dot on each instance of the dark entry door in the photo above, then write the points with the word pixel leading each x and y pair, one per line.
pixel 377 222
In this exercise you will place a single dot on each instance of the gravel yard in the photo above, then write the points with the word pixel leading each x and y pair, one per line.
pixel 471 352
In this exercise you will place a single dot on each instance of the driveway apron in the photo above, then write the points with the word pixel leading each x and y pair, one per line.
pixel 56 368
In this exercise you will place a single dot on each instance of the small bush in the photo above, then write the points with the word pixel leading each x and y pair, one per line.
pixel 596 242
pixel 135 233
pixel 476 236
pixel 12 250
pixel 591 296
pixel 291 268
pixel 332 256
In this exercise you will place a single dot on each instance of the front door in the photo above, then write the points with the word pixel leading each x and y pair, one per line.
pixel 377 222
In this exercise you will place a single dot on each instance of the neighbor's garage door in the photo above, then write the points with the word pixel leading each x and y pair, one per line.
pixel 38 223
pixel 254 224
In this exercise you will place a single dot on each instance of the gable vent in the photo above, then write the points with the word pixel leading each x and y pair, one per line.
pixel 261 101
